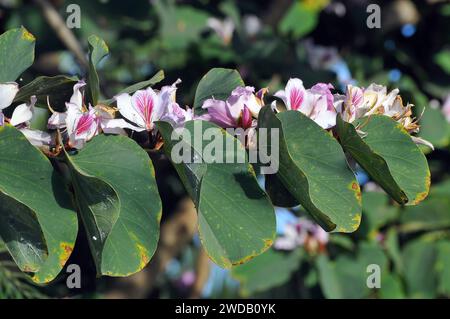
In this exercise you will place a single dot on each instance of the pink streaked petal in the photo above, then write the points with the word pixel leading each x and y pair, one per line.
pixel 246 118
pixel 144 102
pixel 325 90
pixel 295 94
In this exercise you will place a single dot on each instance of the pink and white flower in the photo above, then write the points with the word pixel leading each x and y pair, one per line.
pixel 237 111
pixel 82 123
pixel 316 102
pixel 145 107
pixel 375 99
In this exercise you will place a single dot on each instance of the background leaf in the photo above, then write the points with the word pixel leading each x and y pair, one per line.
pixel 263 273
pixel 217 83
pixel 97 51
pixel 58 88
pixel 158 77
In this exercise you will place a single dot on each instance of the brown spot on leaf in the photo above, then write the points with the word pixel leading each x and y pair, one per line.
pixel 65 252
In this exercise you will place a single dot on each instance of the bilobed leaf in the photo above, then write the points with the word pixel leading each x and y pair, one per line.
pixel 97 51
pixel 38 223
pixel 58 88
pixel 271 269
pixel 389 156
pixel 158 77
pixel 16 53
pixel 217 83
pixel 236 218
pixel 313 167
pixel 116 193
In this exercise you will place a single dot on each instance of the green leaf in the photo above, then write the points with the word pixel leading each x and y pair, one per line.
pixel 97 51
pixel 217 83
pixel 313 167
pixel 299 20
pixel 158 77
pixel 267 271
pixel 442 59
pixel 180 25
pixel 36 212
pixel 116 193
pixel 236 218
pixel 58 88
pixel 16 53
pixel 389 156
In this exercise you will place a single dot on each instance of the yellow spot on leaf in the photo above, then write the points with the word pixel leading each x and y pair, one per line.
pixel 421 196
pixel 143 256
pixel 27 35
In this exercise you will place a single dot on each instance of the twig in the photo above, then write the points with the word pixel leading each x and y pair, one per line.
pixel 58 25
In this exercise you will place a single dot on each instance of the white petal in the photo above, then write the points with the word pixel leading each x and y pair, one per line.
pixel 23 113
pixel 127 110
pixel 421 141
pixel 77 96
pixel 281 94
pixel 37 138
pixel 7 93
pixel 116 126
pixel 57 120
pixel 326 119
pixel 73 114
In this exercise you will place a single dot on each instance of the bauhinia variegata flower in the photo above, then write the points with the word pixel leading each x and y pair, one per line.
pixel 316 102
pixel 375 99
pixel 145 107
